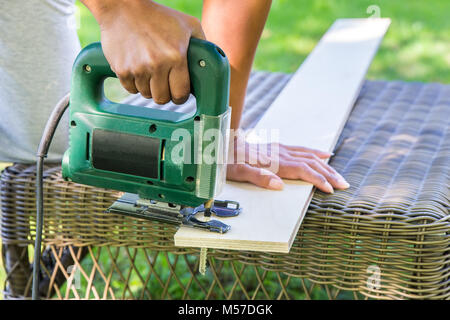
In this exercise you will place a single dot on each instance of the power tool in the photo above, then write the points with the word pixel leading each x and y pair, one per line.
pixel 171 165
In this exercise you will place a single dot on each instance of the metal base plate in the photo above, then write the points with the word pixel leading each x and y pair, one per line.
pixel 131 205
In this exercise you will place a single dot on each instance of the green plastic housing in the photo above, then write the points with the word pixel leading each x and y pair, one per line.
pixel 94 118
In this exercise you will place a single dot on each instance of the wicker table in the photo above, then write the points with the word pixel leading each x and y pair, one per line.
pixel 387 237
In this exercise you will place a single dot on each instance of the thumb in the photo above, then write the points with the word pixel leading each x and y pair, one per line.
pixel 262 178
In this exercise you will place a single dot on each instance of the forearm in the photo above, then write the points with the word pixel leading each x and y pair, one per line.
pixel 98 7
pixel 236 27
pixel 105 10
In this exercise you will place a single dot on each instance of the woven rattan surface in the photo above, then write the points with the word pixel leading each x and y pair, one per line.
pixel 388 236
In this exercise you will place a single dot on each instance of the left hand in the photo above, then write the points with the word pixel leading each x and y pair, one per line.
pixel 297 163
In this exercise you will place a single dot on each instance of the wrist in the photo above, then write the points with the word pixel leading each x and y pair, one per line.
pixel 99 8
pixel 103 9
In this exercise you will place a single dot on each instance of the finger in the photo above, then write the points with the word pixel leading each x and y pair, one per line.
pixel 331 175
pixel 179 83
pixel 128 83
pixel 142 83
pixel 319 153
pixel 342 179
pixel 311 156
pixel 303 171
pixel 343 184
pixel 338 180
pixel 258 176
pixel 159 86
pixel 310 175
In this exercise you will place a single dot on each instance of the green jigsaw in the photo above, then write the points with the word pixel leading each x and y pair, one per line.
pixel 170 164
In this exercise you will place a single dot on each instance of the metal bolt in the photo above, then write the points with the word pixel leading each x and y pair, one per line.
pixel 87 68
pixel 202 63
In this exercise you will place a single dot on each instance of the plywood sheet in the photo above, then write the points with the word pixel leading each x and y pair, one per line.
pixel 310 111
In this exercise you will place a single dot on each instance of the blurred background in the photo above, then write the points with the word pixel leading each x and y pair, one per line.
pixel 416 47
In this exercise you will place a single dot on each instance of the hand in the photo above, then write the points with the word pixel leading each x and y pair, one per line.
pixel 295 163
pixel 146 45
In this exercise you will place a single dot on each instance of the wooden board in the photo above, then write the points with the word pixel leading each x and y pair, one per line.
pixel 311 111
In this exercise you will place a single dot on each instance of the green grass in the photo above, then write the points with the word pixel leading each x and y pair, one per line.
pixel 416 47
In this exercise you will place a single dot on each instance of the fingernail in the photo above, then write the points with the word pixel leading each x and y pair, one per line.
pixel 276 184
pixel 328 188
pixel 342 182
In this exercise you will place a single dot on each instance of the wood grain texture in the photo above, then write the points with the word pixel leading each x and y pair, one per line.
pixel 311 111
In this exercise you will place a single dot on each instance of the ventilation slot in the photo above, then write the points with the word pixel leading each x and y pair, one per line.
pixel 88 143
pixel 161 163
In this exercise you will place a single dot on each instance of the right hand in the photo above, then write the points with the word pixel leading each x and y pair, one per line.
pixel 146 45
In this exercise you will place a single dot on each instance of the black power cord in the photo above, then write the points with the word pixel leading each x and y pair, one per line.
pixel 44 145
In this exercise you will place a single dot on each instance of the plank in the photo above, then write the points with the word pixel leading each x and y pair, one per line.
pixel 311 111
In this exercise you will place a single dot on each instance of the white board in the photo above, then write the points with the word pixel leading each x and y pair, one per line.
pixel 311 111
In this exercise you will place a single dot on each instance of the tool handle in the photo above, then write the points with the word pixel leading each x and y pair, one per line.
pixel 208 71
